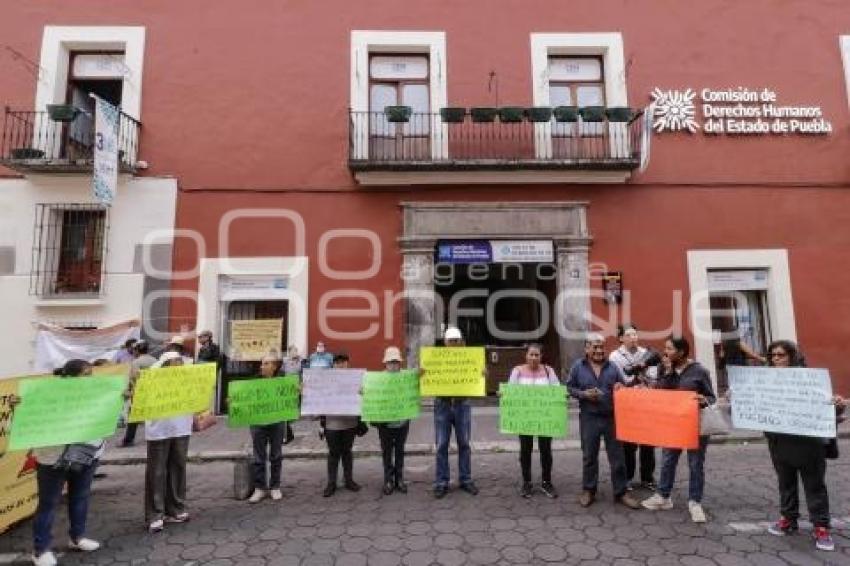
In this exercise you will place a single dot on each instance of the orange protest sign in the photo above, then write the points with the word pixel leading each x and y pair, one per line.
pixel 657 417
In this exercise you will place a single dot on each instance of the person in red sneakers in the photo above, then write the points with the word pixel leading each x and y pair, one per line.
pixel 796 456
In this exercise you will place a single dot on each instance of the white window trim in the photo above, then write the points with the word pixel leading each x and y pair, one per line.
pixel 780 304
pixel 844 45
pixel 58 41
pixel 431 42
pixel 608 45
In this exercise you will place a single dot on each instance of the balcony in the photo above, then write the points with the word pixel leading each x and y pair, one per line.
pixel 34 142
pixel 518 146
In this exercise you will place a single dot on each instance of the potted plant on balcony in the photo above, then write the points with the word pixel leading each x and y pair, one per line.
pixel 398 113
pixel 62 112
pixel 592 113
pixel 27 153
pixel 538 113
pixel 619 114
pixel 566 113
pixel 453 115
pixel 511 114
pixel 483 114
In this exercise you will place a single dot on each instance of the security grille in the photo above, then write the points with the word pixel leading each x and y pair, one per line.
pixel 69 249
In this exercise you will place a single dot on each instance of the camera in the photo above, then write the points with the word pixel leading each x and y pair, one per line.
pixel 652 359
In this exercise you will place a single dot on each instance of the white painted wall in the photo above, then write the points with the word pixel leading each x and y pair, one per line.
pixel 142 205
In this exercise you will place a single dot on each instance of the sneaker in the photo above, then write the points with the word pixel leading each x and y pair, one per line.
pixel 470 488
pixel 178 518
pixel 156 526
pixel 84 545
pixel 401 486
pixel 823 540
pixel 276 494
pixel 649 485
pixel 352 485
pixel 330 489
pixel 440 491
pixel 629 501
pixel 257 496
pixel 549 489
pixel 44 559
pixel 586 498
pixel 527 489
pixel 696 511
pixel 783 527
pixel 657 503
pixel 389 487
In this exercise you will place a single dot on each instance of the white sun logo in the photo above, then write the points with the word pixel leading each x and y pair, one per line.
pixel 674 110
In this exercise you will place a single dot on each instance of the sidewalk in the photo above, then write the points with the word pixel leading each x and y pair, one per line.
pixel 224 443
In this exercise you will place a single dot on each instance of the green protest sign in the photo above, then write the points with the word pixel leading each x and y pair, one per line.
pixel 534 410
pixel 56 411
pixel 390 396
pixel 263 401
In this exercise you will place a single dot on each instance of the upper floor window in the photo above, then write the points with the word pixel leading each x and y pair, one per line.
pixel 575 81
pixel 399 80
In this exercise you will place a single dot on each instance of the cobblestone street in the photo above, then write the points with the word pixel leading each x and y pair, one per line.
pixel 496 527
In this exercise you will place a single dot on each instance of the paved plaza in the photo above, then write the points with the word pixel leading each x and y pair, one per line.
pixel 496 527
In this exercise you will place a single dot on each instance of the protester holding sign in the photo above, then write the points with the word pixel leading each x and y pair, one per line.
pixel 592 380
pixel 533 372
pixel 800 456
pixel 340 431
pixel 393 435
pixel 681 373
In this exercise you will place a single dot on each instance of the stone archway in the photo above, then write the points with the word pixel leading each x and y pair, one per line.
pixel 565 223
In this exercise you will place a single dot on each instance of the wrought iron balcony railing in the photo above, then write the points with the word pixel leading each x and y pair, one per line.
pixel 33 141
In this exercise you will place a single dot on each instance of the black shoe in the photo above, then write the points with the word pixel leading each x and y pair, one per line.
pixel 527 489
pixel 400 486
pixel 549 489
pixel 469 488
pixel 650 485
pixel 389 487
pixel 330 489
pixel 352 485
pixel 440 491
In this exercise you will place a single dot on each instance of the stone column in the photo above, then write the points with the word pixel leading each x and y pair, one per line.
pixel 572 306
pixel 420 322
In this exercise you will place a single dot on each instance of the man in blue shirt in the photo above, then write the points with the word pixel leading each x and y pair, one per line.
pixel 321 358
pixel 592 380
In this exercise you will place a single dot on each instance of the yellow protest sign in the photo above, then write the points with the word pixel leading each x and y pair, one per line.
pixel 452 372
pixel 171 391
pixel 250 340
pixel 111 369
pixel 18 488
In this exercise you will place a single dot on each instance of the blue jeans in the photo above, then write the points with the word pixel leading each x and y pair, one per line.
pixel 50 483
pixel 696 470
pixel 448 413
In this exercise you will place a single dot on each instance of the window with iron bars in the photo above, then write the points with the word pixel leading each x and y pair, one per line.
pixel 69 249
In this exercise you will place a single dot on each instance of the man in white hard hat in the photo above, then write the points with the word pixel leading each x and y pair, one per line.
pixel 453 412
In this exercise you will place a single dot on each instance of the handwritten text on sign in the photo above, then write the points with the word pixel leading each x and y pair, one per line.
pixel 166 392
pixel 535 410
pixel 56 411
pixel 331 392
pixel 263 401
pixel 390 396
pixel 784 400
pixel 452 372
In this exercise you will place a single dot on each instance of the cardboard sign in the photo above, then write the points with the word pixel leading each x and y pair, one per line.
pixel 18 487
pixel 263 401
pixel 57 411
pixel 452 372
pixel 390 396
pixel 657 417
pixel 166 392
pixel 331 392
pixel 784 400
pixel 534 410
pixel 251 340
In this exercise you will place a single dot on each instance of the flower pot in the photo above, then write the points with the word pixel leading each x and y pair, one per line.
pixel 592 113
pixel 453 115
pixel 566 113
pixel 398 113
pixel 619 114
pixel 483 114
pixel 27 153
pixel 511 114
pixel 538 114
pixel 62 112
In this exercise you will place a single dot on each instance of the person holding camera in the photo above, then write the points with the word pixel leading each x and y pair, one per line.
pixel 638 365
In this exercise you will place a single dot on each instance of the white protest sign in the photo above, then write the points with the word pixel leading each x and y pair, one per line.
pixel 331 391
pixel 785 400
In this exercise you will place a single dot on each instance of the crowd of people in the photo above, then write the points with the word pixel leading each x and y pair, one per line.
pixel 592 381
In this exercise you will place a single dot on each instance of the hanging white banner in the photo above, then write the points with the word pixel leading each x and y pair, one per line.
pixel 105 152
pixel 55 345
